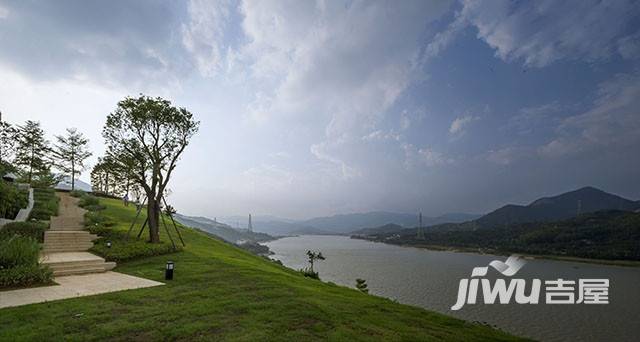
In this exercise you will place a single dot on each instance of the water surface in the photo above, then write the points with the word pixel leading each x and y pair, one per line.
pixel 429 279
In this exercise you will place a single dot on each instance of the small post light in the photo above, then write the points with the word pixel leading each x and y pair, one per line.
pixel 108 244
pixel 168 272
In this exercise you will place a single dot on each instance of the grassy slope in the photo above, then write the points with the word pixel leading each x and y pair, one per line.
pixel 221 292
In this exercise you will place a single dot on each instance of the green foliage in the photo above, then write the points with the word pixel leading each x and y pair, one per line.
pixel 608 235
pixel 222 293
pixel 7 141
pixel 45 204
pixel 70 153
pixel 309 273
pixel 25 275
pixel 123 247
pixel 361 285
pixel 77 193
pixel 11 200
pixel 145 138
pixel 18 250
pixel 90 202
pixel 31 229
pixel 32 150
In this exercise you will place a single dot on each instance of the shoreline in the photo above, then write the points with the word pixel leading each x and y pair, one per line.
pixel 622 263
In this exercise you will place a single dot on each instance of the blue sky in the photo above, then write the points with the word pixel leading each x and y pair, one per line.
pixel 319 107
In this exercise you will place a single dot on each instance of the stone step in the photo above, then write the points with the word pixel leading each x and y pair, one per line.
pixel 68 234
pixel 71 239
pixel 63 271
pixel 83 245
pixel 65 249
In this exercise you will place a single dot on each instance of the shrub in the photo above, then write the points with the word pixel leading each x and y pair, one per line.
pixel 11 200
pixel 133 248
pixel 18 250
pixel 45 204
pixel 307 272
pixel 25 275
pixel 33 229
pixel 90 203
pixel 77 193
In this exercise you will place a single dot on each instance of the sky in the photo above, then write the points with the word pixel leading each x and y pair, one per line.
pixel 313 108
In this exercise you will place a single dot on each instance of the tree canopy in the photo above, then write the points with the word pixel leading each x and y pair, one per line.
pixel 146 137
pixel 70 153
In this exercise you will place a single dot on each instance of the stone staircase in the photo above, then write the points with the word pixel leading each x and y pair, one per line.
pixel 66 242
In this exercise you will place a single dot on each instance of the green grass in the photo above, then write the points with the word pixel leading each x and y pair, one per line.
pixel 224 293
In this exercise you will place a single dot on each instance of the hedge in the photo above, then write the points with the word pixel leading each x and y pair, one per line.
pixel 32 229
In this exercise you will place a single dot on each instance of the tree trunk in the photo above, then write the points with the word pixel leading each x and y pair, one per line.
pixel 73 176
pixel 153 213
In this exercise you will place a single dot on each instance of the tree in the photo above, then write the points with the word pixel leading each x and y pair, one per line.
pixel 313 256
pixel 7 140
pixel 32 152
pixel 71 152
pixel 146 137
pixel 361 285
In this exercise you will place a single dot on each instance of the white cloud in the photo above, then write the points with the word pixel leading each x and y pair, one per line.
pixel 4 12
pixel 541 32
pixel 459 125
pixel 613 121
pixel 203 35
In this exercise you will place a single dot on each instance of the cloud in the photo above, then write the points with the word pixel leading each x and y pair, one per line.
pixel 112 44
pixel 203 35
pixel 542 32
pixel 612 123
pixel 459 125
pixel 4 12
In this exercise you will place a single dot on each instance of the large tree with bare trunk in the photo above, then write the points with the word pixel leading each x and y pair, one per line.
pixel 145 138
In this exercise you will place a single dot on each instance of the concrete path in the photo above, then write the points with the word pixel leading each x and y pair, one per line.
pixel 75 286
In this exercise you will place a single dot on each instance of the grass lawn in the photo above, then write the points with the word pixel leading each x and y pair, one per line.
pixel 223 293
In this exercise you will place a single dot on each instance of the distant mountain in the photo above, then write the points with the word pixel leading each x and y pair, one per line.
pixel 386 229
pixel 348 223
pixel 222 230
pixel 564 206
pixel 338 224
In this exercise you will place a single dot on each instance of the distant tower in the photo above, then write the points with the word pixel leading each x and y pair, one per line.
pixel 420 235
pixel 250 226
pixel 579 208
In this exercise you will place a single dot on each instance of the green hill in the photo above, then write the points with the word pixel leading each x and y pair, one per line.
pixel 223 293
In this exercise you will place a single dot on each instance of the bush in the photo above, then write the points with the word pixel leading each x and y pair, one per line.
pixel 77 193
pixel 309 273
pixel 12 200
pixel 25 275
pixel 33 229
pixel 45 204
pixel 90 203
pixel 18 250
pixel 133 248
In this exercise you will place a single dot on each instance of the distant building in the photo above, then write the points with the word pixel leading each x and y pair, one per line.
pixel 65 185
pixel 10 177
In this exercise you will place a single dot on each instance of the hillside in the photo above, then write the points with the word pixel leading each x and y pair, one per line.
pixel 563 206
pixel 222 230
pixel 605 235
pixel 223 293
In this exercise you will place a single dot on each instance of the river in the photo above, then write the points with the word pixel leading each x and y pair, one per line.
pixel 429 279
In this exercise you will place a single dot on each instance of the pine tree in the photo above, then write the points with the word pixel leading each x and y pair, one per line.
pixel 32 151
pixel 7 140
pixel 71 153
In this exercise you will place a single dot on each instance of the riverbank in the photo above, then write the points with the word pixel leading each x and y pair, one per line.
pixel 485 251
pixel 220 292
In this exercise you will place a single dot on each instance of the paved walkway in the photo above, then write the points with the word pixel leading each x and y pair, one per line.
pixel 75 286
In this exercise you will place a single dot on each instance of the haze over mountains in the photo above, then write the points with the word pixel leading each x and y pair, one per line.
pixel 563 206
pixel 340 224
